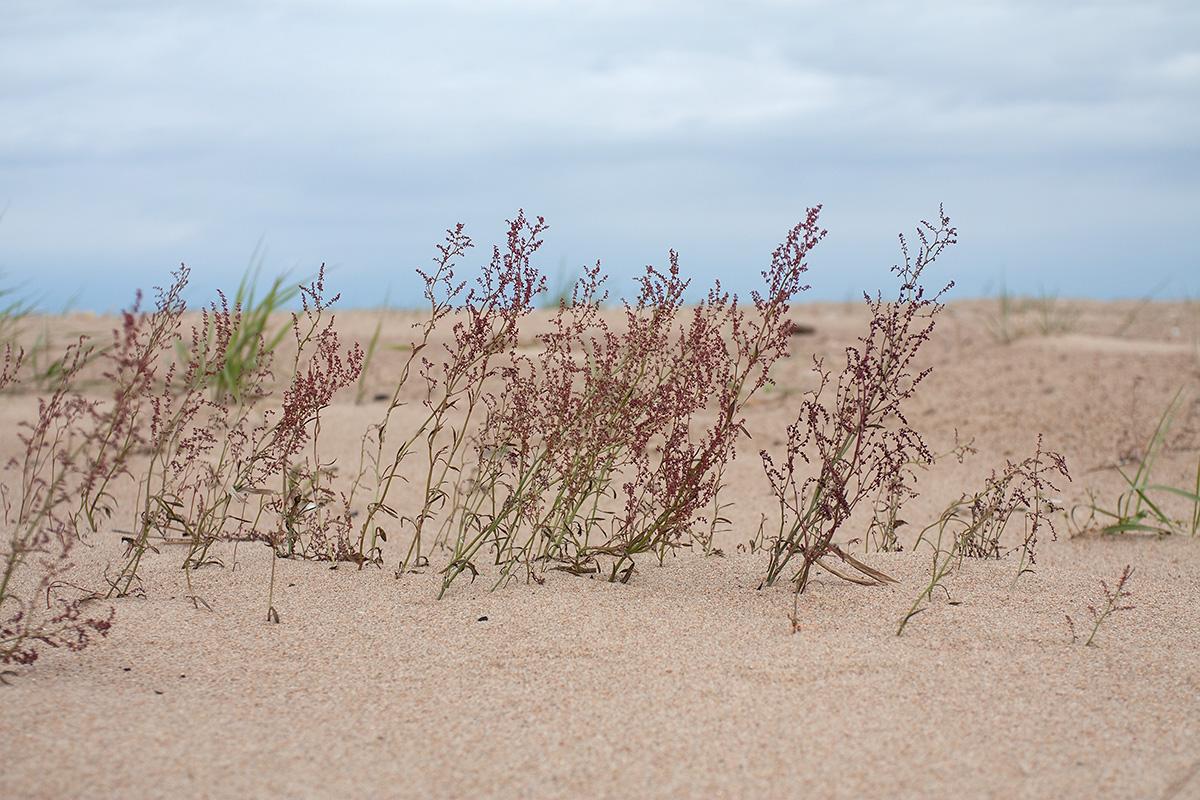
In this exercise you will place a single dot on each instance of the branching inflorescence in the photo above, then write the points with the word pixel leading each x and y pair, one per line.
pixel 973 526
pixel 42 528
pixel 861 441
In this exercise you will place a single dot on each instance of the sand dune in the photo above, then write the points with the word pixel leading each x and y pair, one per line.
pixel 689 681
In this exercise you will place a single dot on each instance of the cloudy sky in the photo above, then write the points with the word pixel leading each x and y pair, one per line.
pixel 1062 137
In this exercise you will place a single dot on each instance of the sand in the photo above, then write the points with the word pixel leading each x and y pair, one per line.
pixel 689 681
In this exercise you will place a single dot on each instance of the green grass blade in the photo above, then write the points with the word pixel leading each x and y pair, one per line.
pixel 1184 493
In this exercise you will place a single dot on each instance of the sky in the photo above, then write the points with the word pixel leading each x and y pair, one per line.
pixel 1063 139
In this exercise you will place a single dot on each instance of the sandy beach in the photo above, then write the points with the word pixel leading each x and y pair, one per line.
pixel 689 680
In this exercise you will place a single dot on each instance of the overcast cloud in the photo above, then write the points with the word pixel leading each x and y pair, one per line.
pixel 1063 138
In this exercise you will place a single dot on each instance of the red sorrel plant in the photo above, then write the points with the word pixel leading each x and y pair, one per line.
pixel 306 523
pixel 139 350
pixel 862 441
pixel 484 330
pixel 77 449
pixel 210 462
pixel 1115 599
pixel 982 518
pixel 589 451
pixel 35 558
pixel 172 491
pixel 203 449
pixel 885 519
pixel 569 421
pixel 975 524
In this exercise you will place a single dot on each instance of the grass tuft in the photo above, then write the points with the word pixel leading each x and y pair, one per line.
pixel 1139 509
